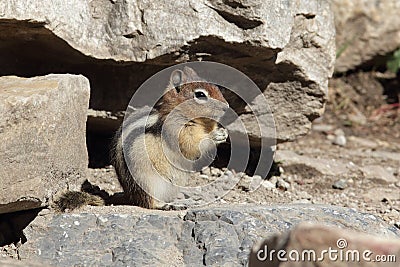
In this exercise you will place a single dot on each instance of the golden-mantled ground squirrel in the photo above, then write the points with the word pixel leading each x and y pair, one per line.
pixel 155 148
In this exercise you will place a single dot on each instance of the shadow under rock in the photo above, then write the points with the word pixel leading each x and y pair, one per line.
pixel 12 225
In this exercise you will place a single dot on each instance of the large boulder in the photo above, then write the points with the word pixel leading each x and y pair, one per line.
pixel 42 133
pixel 364 30
pixel 286 47
pixel 212 236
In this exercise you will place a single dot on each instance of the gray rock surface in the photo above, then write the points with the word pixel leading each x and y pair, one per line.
pixel 17 263
pixel 216 236
pixel 286 47
pixel 42 133
pixel 365 29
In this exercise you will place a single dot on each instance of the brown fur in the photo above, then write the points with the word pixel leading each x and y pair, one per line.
pixel 192 134
pixel 172 98
pixel 76 199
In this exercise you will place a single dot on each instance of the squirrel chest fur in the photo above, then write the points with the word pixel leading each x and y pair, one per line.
pixel 156 148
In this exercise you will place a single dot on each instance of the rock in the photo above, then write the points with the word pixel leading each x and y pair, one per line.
pixel 268 185
pixel 339 140
pixel 331 137
pixel 246 183
pixel 339 132
pixel 255 183
pixel 273 180
pixel 377 172
pixel 282 184
pixel 340 184
pixel 43 144
pixel 342 248
pixel 215 171
pixel 206 171
pixel 326 128
pixel 9 251
pixel 364 29
pixel 211 235
pixel 286 47
pixel 323 166
pixel 18 263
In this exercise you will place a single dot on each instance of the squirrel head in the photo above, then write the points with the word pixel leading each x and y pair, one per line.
pixel 192 97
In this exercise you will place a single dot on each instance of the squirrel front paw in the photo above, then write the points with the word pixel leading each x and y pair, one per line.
pixel 219 135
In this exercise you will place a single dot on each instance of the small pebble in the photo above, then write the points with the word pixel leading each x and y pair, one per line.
pixel 255 182
pixel 281 170
pixel 180 196
pixel 215 171
pixel 283 185
pixel 273 180
pixel 229 173
pixel 267 184
pixel 339 132
pixel 44 212
pixel 322 127
pixel 206 171
pixel 340 184
pixel 289 179
pixel 330 137
pixel 340 140
pixel 301 201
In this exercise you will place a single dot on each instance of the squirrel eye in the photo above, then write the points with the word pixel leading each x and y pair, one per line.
pixel 200 95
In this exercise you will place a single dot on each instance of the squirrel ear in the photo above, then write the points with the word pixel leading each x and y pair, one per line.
pixel 176 79
pixel 179 77
pixel 191 75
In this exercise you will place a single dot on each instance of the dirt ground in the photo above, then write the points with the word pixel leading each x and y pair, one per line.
pixel 358 137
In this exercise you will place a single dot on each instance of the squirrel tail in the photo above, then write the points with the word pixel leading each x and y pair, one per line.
pixel 76 199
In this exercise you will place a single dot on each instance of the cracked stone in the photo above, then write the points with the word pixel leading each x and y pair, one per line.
pixel 214 235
